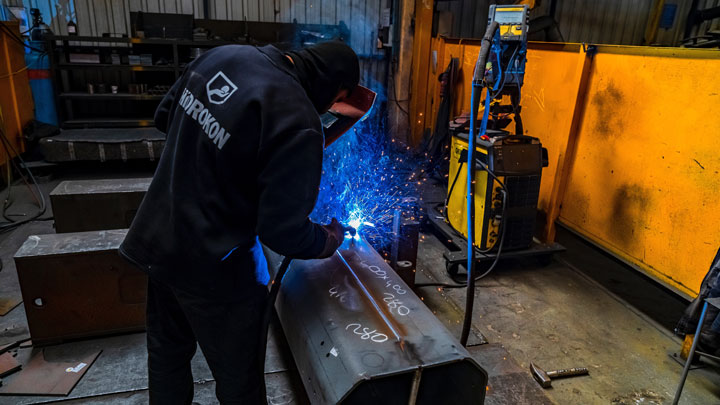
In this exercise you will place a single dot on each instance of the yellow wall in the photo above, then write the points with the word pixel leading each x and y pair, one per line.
pixel 632 135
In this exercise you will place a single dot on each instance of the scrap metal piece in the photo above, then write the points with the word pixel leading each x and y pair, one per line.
pixel 95 205
pixel 360 335
pixel 8 364
pixel 41 377
pixel 404 246
pixel 8 303
pixel 76 285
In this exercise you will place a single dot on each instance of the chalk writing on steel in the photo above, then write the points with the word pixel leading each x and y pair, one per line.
pixel 340 295
pixel 366 333
pixel 395 305
pixel 382 274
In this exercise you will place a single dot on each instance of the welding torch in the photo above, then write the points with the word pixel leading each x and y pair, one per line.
pixel 349 229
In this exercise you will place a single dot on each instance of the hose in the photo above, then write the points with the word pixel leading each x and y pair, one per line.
pixel 477 84
pixel 267 315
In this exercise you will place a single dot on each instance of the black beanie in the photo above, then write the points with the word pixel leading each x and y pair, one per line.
pixel 324 69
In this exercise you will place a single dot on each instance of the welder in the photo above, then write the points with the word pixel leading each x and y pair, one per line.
pixel 241 165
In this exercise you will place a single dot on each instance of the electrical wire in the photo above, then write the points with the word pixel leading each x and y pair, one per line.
pixel 42 205
pixel 26 67
pixel 452 187
pixel 17 39
pixel 501 241
pixel 14 73
pixel 394 94
pixel 504 77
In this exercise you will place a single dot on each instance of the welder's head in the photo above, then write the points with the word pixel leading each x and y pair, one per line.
pixel 329 71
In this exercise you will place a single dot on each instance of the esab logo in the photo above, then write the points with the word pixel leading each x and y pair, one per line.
pixel 220 88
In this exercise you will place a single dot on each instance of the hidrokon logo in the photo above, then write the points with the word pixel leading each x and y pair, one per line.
pixel 220 88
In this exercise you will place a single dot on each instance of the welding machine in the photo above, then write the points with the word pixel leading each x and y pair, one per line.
pixel 514 162
pixel 493 210
pixel 508 166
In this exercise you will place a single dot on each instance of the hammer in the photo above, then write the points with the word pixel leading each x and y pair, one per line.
pixel 544 377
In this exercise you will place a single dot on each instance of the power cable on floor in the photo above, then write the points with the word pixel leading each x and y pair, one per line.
pixel 39 197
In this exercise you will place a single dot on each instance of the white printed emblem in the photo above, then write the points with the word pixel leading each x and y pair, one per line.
pixel 219 88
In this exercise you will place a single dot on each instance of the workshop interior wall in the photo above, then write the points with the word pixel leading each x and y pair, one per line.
pixel 95 17
pixel 641 166
pixel 16 103
pixel 600 21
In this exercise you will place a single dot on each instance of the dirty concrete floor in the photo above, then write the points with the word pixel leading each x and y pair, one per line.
pixel 119 376
pixel 556 315
pixel 559 317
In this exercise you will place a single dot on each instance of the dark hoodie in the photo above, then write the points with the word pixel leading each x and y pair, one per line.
pixel 325 69
pixel 242 160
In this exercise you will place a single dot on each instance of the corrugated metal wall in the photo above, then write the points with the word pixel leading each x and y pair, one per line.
pixel 602 21
pixel 56 13
pixel 599 21
pixel 95 17
pixel 712 25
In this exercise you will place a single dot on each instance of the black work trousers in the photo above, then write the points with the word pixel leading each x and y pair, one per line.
pixel 228 333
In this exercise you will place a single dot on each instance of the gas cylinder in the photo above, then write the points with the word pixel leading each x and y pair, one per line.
pixel 38 64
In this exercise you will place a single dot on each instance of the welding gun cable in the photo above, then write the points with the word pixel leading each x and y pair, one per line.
pixel 268 314
pixel 477 83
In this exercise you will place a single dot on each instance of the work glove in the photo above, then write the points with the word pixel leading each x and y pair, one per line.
pixel 335 235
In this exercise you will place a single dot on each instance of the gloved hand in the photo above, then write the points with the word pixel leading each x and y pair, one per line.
pixel 335 236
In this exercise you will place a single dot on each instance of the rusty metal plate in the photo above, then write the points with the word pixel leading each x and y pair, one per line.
pixel 360 335
pixel 95 205
pixel 8 364
pixel 7 303
pixel 76 285
pixel 41 377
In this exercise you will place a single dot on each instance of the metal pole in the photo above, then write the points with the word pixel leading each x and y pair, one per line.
pixel 696 339
pixel 415 387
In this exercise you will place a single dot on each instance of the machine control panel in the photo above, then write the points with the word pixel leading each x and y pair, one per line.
pixel 513 21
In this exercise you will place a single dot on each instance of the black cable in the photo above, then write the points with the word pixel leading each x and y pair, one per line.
pixel 268 314
pixel 394 94
pixel 42 207
pixel 17 39
pixel 505 73
pixel 447 199
pixel 501 242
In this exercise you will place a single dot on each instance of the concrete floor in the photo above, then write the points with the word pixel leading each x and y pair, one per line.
pixel 558 317
pixel 574 312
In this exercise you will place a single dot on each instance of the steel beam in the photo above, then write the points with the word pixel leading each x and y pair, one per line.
pixel 359 335
pixel 76 285
pixel 94 205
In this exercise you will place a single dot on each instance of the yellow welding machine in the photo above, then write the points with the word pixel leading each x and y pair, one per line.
pixel 516 161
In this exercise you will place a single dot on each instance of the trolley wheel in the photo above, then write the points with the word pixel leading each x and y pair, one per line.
pixel 544 260
pixel 452 268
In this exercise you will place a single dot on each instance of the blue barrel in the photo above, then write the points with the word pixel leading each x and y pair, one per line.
pixel 41 84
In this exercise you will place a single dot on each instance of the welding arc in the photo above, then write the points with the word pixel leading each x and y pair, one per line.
pixel 267 316
pixel 370 298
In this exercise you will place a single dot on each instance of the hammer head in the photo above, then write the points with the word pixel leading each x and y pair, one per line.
pixel 540 376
